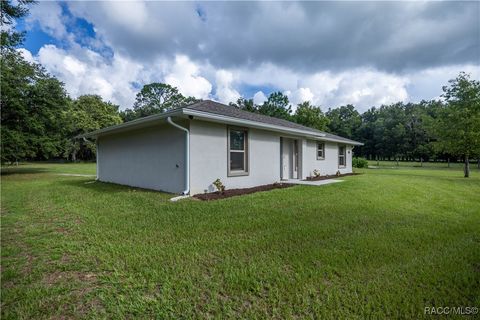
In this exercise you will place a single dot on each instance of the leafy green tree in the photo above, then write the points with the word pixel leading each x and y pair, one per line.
pixel 9 13
pixel 245 104
pixel 458 126
pixel 367 134
pixel 156 98
pixel 418 116
pixel 129 115
pixel 31 99
pixel 88 113
pixel 38 118
pixel 277 105
pixel 344 121
pixel 311 116
pixel 395 133
pixel 31 102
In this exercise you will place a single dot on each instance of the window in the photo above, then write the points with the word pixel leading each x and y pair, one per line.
pixel 320 151
pixel 341 156
pixel 237 152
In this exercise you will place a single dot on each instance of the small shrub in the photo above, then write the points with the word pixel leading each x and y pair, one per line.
pixel 338 173
pixel 359 163
pixel 219 185
pixel 316 173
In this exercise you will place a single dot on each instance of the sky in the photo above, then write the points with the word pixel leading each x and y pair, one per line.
pixel 329 53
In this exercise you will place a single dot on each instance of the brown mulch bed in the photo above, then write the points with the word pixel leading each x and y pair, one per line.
pixel 333 176
pixel 238 192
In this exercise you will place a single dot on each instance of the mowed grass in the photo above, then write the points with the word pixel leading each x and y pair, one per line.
pixel 424 165
pixel 384 244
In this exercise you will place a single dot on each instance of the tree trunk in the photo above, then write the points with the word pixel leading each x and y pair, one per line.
pixel 421 161
pixel 478 163
pixel 74 156
pixel 466 168
pixel 448 162
pixel 378 161
pixel 397 160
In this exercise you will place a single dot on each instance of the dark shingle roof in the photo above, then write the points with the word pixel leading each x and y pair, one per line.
pixel 229 111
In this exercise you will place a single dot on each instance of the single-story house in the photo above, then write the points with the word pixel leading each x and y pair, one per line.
pixel 186 149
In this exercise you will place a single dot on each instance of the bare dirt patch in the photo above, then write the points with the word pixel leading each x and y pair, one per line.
pixel 63 230
pixel 238 192
pixel 332 176
pixel 56 277
pixel 81 299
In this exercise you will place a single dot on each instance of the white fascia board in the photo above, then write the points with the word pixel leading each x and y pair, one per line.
pixel 130 124
pixel 350 142
pixel 252 124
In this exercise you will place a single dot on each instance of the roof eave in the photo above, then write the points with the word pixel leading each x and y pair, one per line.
pixel 349 142
pixel 215 118
pixel 129 124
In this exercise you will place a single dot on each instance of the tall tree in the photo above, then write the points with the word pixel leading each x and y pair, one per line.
pixel 88 113
pixel 155 98
pixel 344 121
pixel 11 11
pixel 310 116
pixel 245 104
pixel 458 127
pixel 277 105
pixel 158 97
pixel 31 103
pixel 367 134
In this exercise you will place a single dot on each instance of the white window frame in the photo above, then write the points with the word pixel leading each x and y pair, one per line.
pixel 344 156
pixel 236 173
pixel 322 144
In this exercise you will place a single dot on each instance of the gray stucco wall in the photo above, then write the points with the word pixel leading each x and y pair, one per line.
pixel 152 158
pixel 208 150
pixel 327 166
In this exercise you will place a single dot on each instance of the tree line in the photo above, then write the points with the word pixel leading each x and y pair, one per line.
pixel 39 120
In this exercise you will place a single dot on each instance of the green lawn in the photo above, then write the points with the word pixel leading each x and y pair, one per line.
pixel 425 165
pixel 385 244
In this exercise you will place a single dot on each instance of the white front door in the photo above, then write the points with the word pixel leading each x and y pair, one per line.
pixel 295 159
pixel 285 163
pixel 289 158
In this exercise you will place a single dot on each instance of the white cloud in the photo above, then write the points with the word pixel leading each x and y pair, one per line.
pixel 225 93
pixel 84 71
pixel 259 98
pixel 268 74
pixel 49 17
pixel 185 75
pixel 319 36
pixel 27 55
pixel 87 72
pixel 427 84
pixel 365 88
pixel 132 15
pixel 360 87
pixel 168 42
pixel 300 95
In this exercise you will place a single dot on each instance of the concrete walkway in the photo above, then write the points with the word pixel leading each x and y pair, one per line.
pixel 312 183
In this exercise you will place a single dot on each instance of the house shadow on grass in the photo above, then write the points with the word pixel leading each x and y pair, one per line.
pixel 5 171
pixel 107 187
